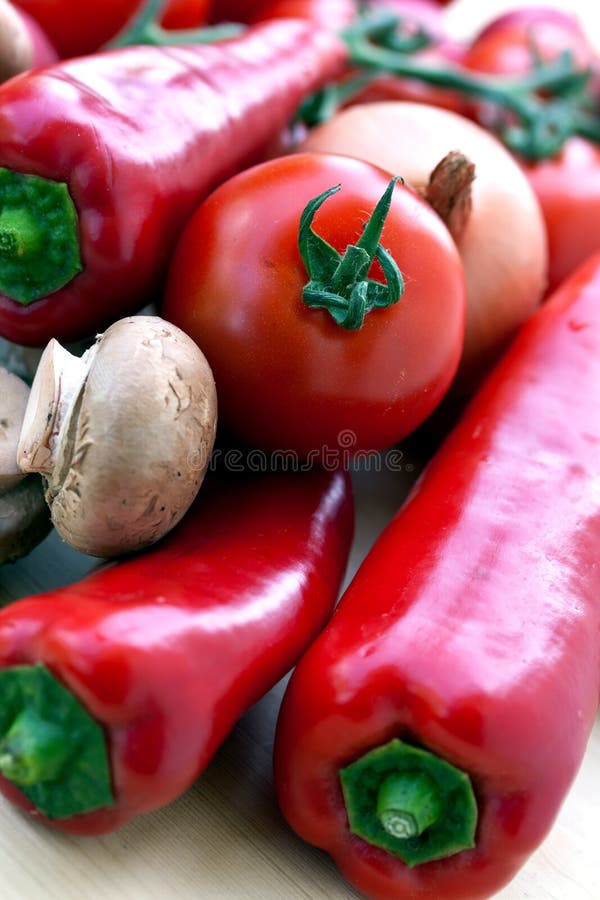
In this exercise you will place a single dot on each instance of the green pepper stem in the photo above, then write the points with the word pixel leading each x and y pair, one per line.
pixel 20 236
pixel 39 236
pixel 408 803
pixel 145 28
pixel 34 750
pixel 50 746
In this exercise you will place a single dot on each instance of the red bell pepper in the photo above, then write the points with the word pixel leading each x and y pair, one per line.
pixel 103 158
pixel 428 738
pixel 115 692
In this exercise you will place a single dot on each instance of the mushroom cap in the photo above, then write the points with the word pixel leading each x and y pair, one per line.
pixel 14 395
pixel 132 448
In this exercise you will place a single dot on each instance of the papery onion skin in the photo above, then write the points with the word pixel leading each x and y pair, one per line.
pixel 504 244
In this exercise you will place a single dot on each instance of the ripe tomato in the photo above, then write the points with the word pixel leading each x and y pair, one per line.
pixel 568 189
pixel 568 185
pixel 74 31
pixel 508 44
pixel 288 377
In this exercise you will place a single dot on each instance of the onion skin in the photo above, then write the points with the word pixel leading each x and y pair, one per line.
pixel 503 246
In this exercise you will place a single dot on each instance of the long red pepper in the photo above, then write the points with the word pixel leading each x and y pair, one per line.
pixel 430 735
pixel 115 692
pixel 103 158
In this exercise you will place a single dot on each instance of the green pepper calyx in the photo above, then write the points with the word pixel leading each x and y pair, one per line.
pixel 50 746
pixel 410 803
pixel 39 239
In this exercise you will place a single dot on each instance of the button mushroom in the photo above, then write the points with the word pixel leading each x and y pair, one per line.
pixel 122 435
pixel 24 519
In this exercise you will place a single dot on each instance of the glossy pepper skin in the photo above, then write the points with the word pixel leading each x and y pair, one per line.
pixel 139 136
pixel 168 649
pixel 472 629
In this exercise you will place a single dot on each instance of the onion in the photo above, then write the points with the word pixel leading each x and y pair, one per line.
pixel 503 242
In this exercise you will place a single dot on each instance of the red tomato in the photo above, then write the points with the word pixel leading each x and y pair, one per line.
pixel 568 189
pixel 75 31
pixel 288 377
pixel 505 45
pixel 567 186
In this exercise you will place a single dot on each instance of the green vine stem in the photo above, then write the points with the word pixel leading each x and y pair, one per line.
pixel 534 126
pixel 145 28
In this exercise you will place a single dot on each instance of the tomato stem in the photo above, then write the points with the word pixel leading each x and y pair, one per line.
pixel 340 283
pixel 534 126
pixel 145 28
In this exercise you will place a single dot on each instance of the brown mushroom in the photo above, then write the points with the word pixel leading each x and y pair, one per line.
pixel 24 518
pixel 122 435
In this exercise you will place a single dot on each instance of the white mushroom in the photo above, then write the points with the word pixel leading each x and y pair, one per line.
pixel 122 435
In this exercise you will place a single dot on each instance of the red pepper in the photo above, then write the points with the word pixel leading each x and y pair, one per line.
pixel 428 738
pixel 161 654
pixel 123 145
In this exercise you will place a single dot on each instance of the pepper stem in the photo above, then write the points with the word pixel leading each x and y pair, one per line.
pixel 33 750
pixel 39 239
pixel 50 746
pixel 145 28
pixel 407 804
pixel 410 802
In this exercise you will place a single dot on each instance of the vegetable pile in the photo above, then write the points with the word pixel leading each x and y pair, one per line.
pixel 310 230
